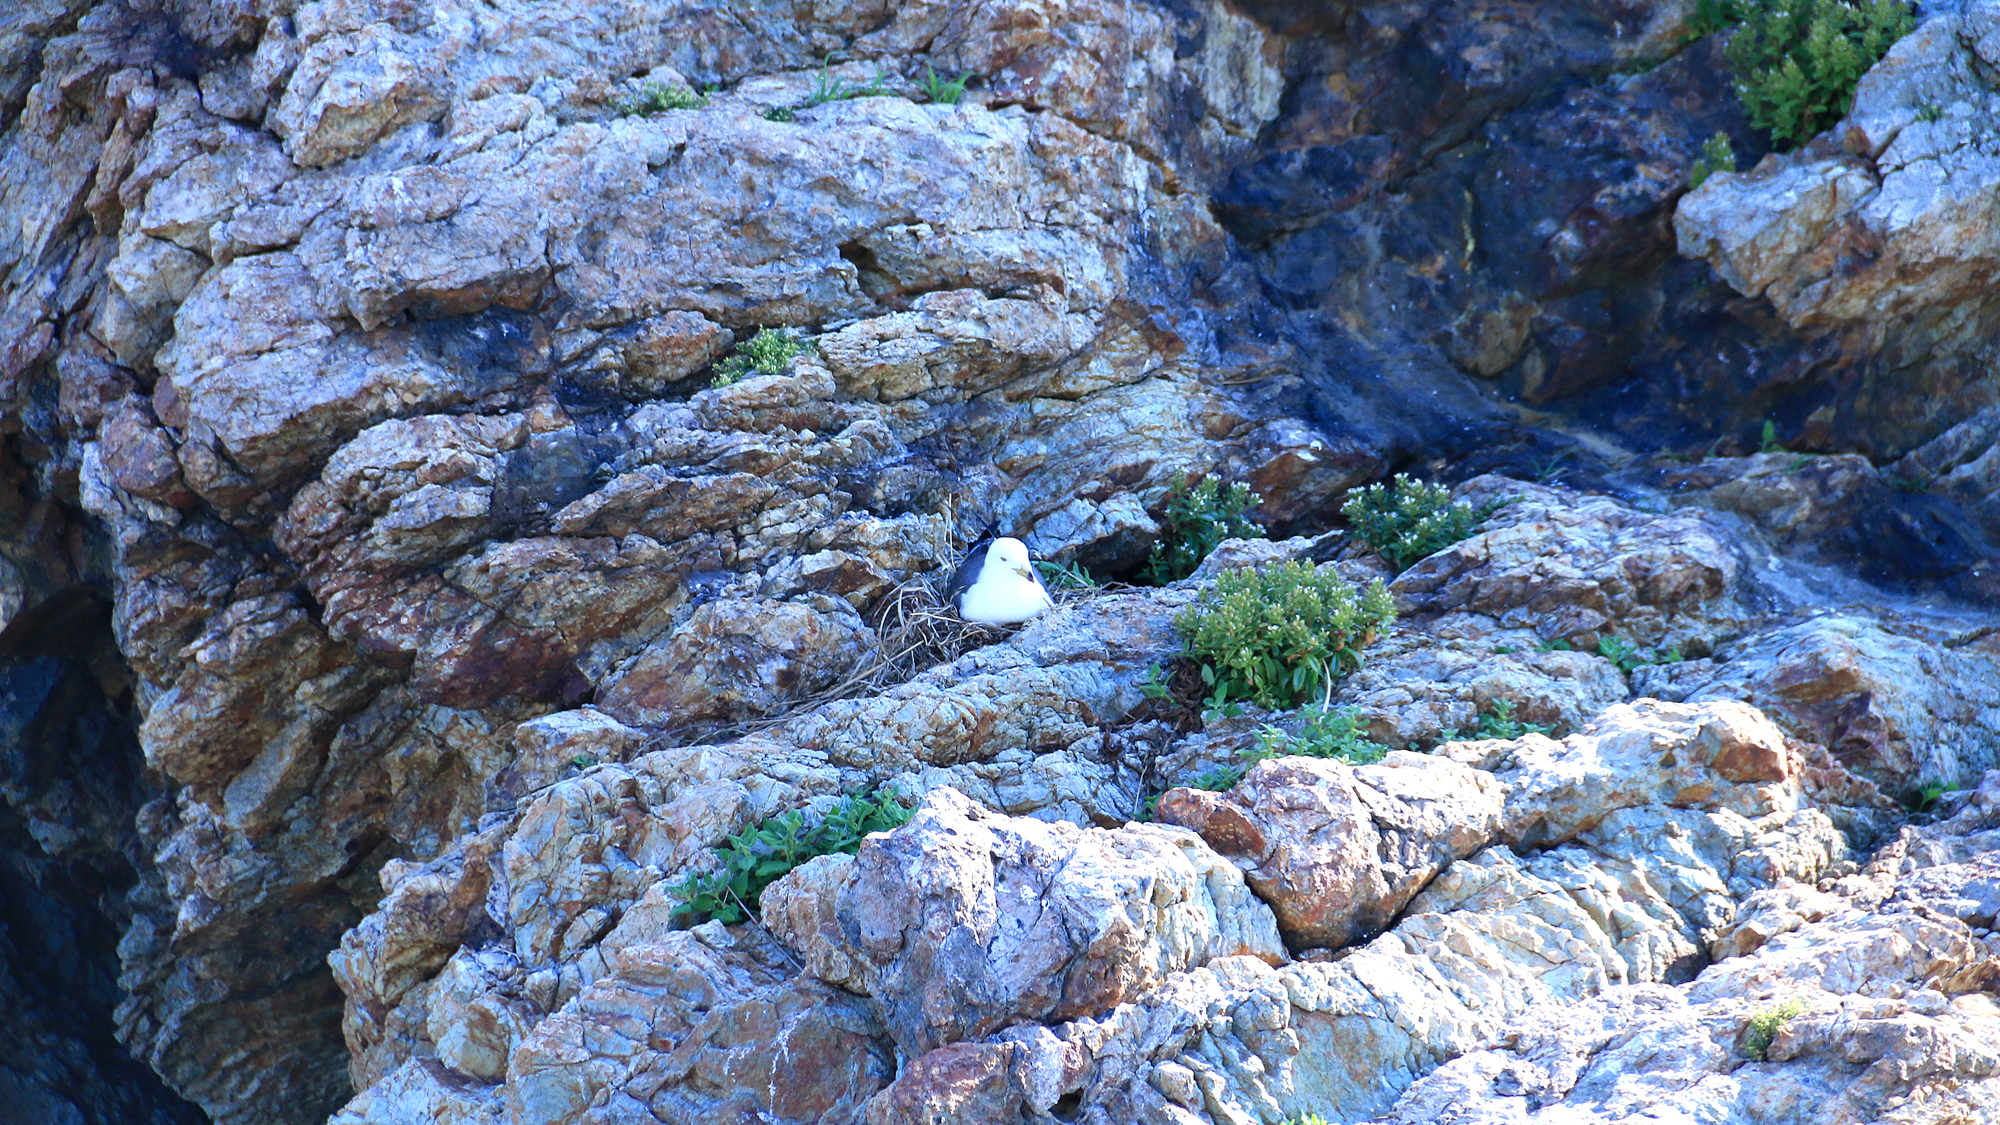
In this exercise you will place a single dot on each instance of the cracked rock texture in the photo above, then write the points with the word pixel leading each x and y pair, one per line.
pixel 392 607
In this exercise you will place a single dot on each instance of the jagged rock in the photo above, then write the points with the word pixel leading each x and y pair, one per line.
pixel 1338 851
pixel 741 659
pixel 1913 189
pixel 1428 683
pixel 1893 705
pixel 1897 1018
pixel 962 923
pixel 683 1029
pixel 1582 569
pixel 360 351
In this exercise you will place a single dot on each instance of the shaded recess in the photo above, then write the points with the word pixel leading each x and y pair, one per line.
pixel 71 777
pixel 1476 271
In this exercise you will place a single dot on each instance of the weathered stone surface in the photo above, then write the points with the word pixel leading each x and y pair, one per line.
pixel 1897 1022
pixel 1338 851
pixel 697 1027
pixel 1581 569
pixel 741 659
pixel 962 923
pixel 1891 703
pixel 1914 191
pixel 361 349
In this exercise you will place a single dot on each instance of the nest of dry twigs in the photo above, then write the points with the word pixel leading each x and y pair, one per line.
pixel 916 632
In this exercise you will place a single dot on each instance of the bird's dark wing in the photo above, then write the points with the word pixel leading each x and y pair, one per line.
pixel 968 573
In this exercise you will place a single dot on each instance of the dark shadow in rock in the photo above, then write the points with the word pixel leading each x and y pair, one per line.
pixel 71 779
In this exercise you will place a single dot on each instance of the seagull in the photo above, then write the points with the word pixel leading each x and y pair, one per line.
pixel 997 585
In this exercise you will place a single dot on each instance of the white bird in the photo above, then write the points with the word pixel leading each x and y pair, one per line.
pixel 997 585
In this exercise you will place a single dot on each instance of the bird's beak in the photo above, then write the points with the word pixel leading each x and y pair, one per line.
pixel 1025 571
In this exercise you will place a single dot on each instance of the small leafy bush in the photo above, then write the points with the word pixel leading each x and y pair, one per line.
pixel 1628 656
pixel 1409 519
pixel 1621 652
pixel 1220 779
pixel 769 352
pixel 1200 515
pixel 1324 732
pixel 1930 112
pixel 781 113
pixel 760 855
pixel 1797 61
pixel 1280 637
pixel 658 97
pixel 944 91
pixel 1764 1025
pixel 1717 155
pixel 1498 721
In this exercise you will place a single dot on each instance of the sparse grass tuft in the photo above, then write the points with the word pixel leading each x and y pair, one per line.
pixel 1065 576
pixel 1324 732
pixel 944 91
pixel 1621 652
pixel 1498 721
pixel 1924 797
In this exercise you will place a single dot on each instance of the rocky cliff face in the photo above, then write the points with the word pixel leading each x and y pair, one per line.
pixel 357 358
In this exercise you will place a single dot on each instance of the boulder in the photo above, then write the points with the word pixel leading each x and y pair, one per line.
pixel 1338 851
pixel 963 923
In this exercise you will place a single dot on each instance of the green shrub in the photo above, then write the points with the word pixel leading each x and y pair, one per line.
pixel 760 855
pixel 1764 1025
pixel 1628 656
pixel 1621 652
pixel 658 97
pixel 1220 779
pixel 944 91
pixel 1717 155
pixel 1280 637
pixel 1200 515
pixel 1796 61
pixel 1930 112
pixel 1324 732
pixel 769 352
pixel 1409 519
pixel 1498 721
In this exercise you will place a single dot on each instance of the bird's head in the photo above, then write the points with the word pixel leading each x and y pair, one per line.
pixel 1012 554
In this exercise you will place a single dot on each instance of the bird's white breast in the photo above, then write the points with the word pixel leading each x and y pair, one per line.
pixel 1004 598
